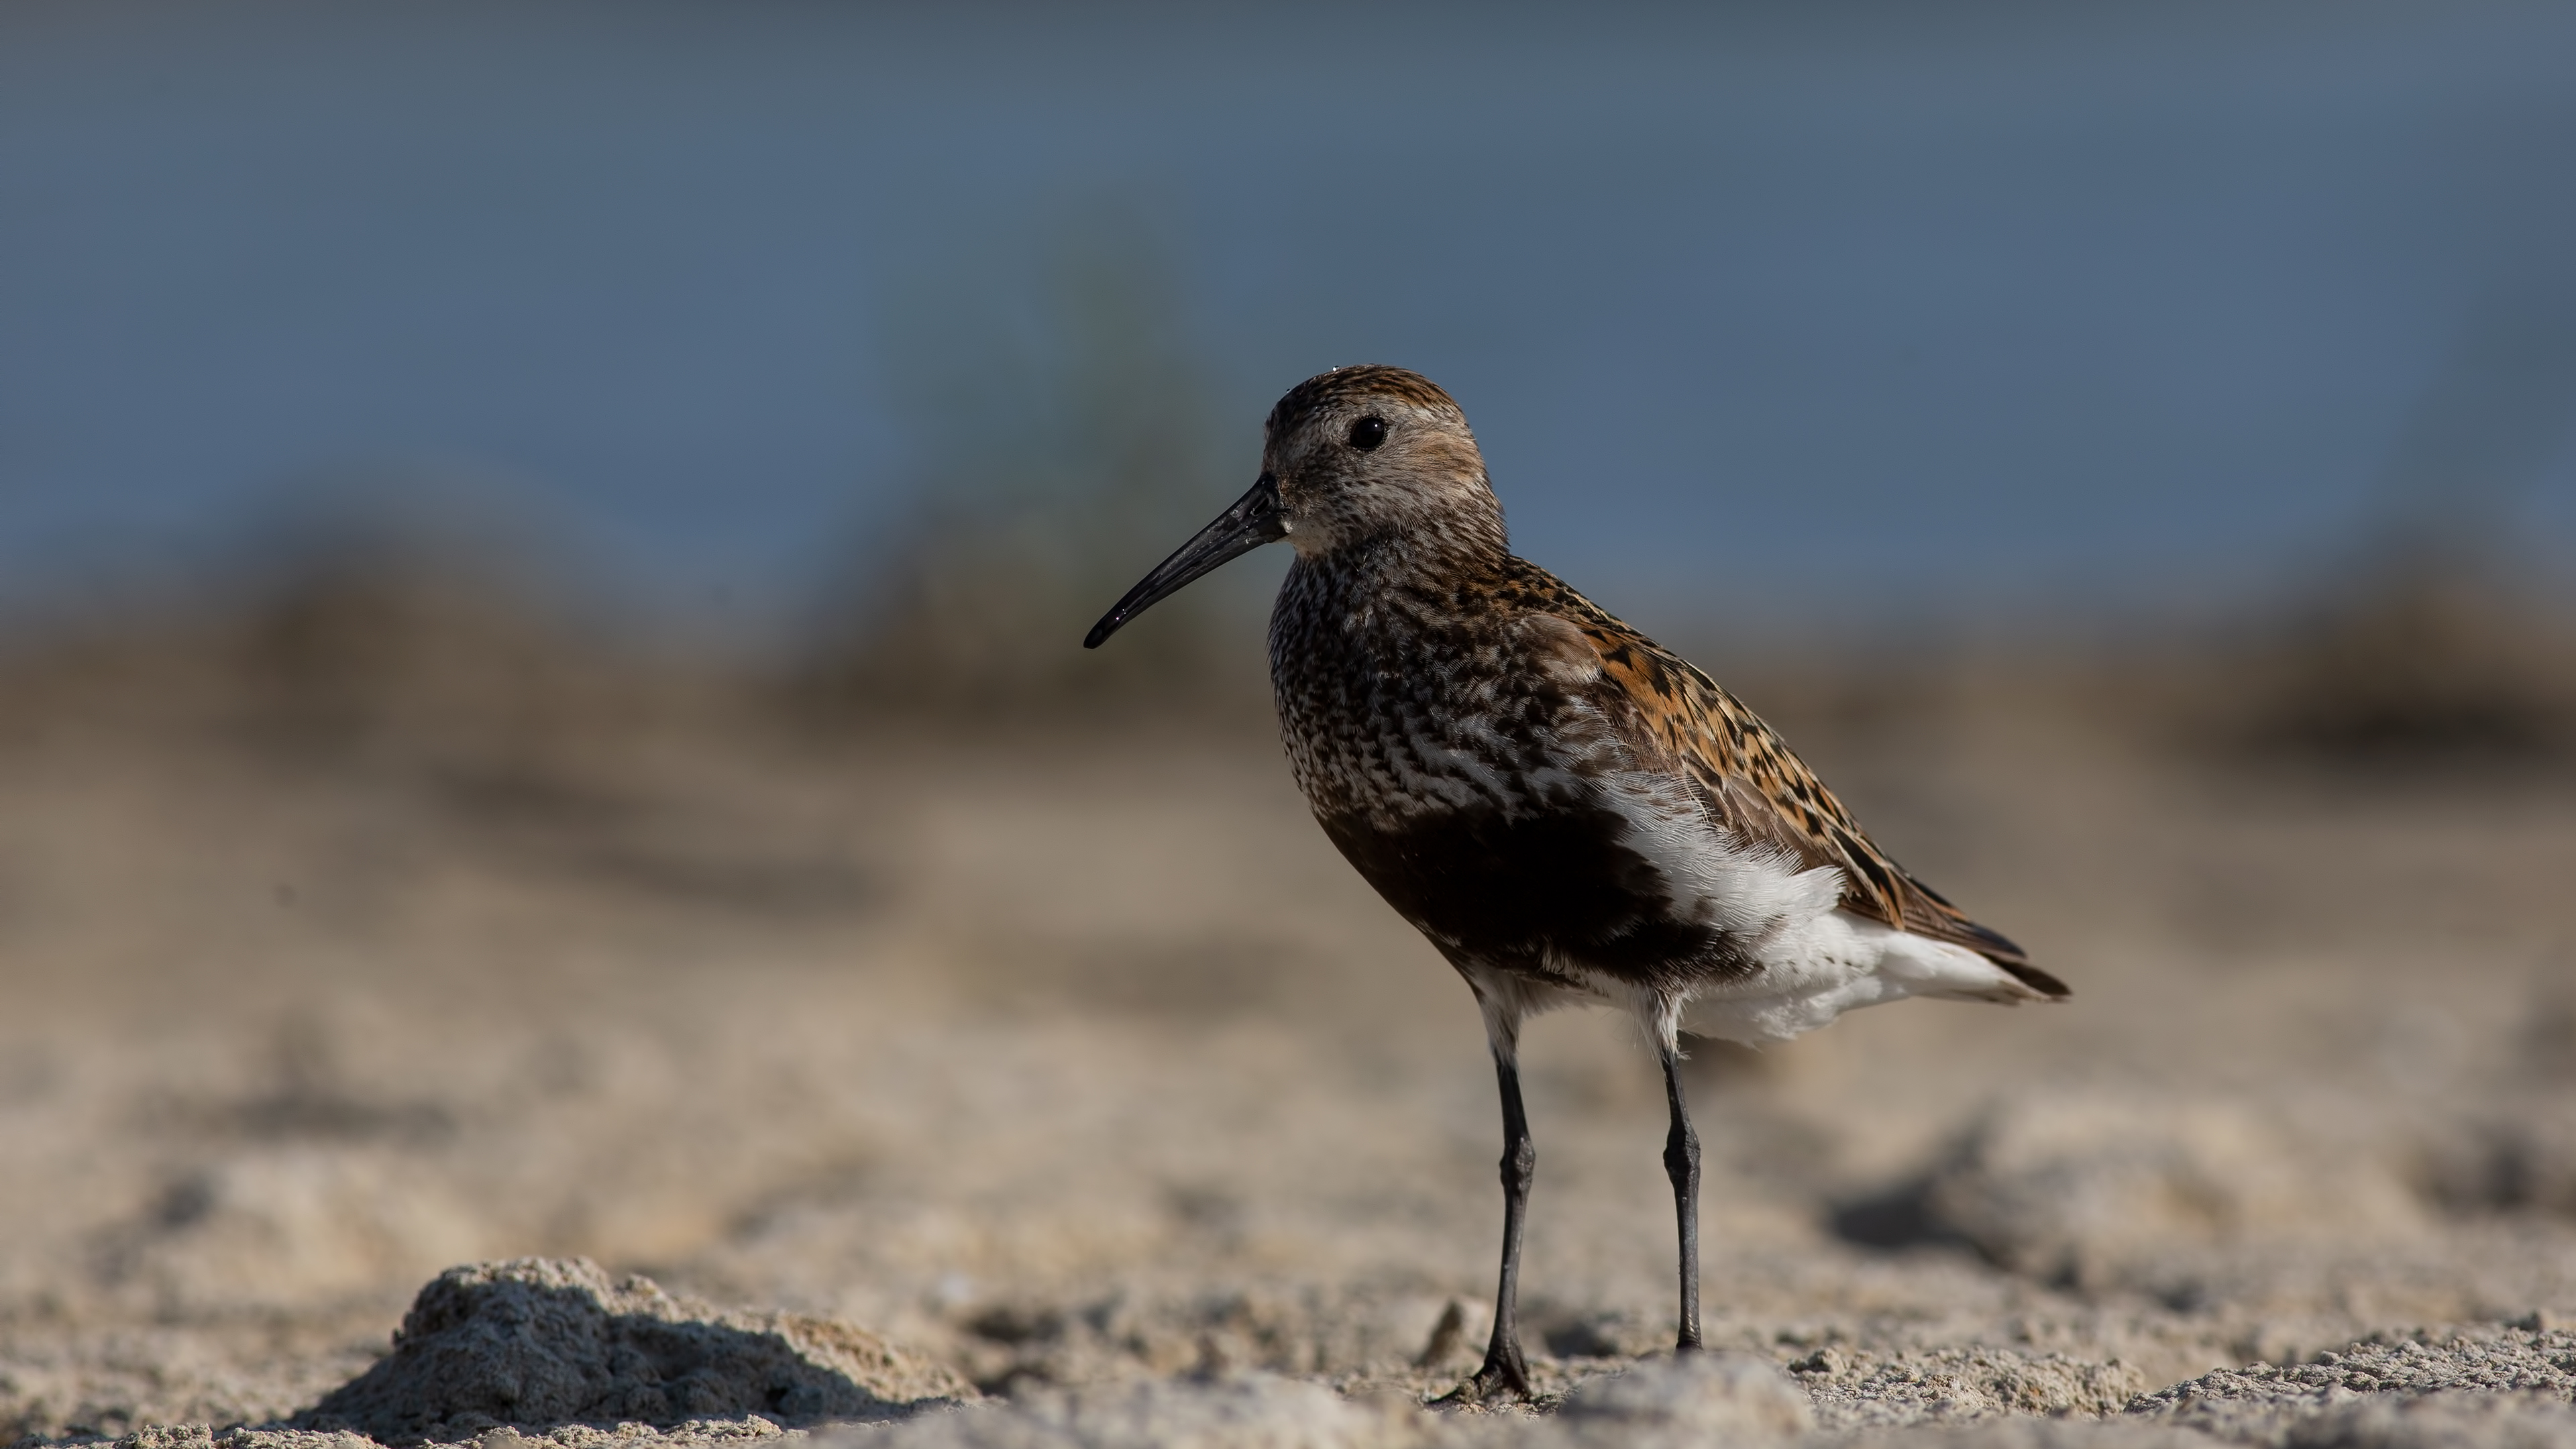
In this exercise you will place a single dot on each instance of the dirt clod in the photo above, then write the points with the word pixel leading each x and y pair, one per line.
pixel 536 1343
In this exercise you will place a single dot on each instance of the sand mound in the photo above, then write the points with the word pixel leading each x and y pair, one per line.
pixel 1858 1389
pixel 2107 1188
pixel 2423 1389
pixel 536 1343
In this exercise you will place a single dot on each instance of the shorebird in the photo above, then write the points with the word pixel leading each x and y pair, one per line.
pixel 1569 812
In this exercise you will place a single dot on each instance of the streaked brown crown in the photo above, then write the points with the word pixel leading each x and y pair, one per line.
pixel 1421 485
pixel 1325 390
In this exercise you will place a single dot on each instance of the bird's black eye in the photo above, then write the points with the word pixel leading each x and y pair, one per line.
pixel 1367 433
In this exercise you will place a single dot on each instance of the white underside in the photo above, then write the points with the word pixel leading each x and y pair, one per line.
pixel 1811 973
pixel 1839 962
pixel 1814 960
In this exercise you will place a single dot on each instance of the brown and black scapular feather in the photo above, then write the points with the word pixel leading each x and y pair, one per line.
pixel 1565 809
pixel 1753 786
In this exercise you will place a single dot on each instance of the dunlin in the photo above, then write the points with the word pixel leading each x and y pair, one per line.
pixel 1569 812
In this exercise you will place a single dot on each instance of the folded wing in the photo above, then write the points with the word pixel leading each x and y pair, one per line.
pixel 1752 786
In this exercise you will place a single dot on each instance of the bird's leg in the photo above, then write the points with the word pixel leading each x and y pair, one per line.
pixel 1681 1164
pixel 1505 1371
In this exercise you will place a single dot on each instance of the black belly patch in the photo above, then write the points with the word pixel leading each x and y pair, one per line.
pixel 1515 891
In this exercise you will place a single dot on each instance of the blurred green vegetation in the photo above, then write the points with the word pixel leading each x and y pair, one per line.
pixel 1066 442
pixel 2428 656
pixel 2433 644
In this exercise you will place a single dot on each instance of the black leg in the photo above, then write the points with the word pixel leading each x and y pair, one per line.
pixel 1681 1164
pixel 1505 1371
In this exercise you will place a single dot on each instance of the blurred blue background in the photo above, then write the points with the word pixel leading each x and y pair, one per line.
pixel 2013 312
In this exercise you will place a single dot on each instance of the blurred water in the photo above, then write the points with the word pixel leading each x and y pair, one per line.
pixel 1846 308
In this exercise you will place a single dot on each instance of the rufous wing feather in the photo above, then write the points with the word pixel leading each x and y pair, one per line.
pixel 1745 776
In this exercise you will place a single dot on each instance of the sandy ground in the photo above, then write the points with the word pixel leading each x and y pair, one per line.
pixel 1074 1059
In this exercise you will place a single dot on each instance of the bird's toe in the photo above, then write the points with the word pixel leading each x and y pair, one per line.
pixel 1500 1381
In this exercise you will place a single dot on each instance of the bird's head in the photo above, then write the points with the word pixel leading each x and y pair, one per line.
pixel 1355 457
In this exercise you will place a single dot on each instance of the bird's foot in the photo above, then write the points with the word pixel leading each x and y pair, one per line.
pixel 1502 1379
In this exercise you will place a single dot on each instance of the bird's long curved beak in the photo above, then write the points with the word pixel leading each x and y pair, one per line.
pixel 1253 521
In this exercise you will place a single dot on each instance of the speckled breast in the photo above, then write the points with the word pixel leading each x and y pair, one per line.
pixel 1465 786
